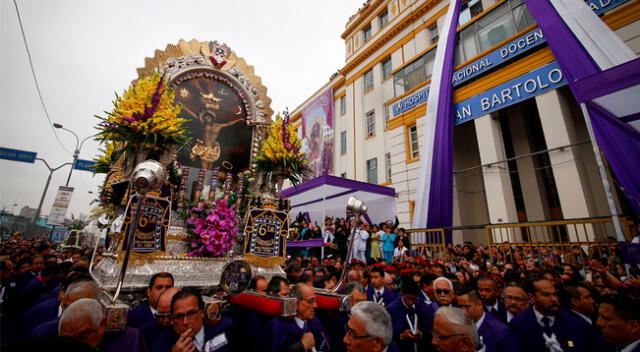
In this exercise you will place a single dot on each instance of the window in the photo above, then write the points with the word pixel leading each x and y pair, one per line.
pixel 433 33
pixel 343 105
pixel 383 18
pixel 343 175
pixel 387 166
pixel 370 123
pixel 368 80
pixel 372 170
pixel 343 142
pixel 468 10
pixel 501 23
pixel 366 33
pixel 387 115
pixel 386 68
pixel 416 72
pixel 414 150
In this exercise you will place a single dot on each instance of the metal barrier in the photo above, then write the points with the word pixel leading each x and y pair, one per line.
pixel 428 240
pixel 591 232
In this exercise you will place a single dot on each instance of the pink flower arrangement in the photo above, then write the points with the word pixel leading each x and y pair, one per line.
pixel 213 226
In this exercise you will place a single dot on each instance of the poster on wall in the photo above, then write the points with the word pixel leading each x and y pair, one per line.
pixel 317 134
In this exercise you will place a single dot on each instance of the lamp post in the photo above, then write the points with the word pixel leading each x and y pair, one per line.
pixel 76 151
pixel 46 186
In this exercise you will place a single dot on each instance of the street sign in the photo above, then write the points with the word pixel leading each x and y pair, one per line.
pixel 17 155
pixel 84 165
pixel 60 205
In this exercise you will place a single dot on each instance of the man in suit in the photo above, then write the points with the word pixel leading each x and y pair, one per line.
pixel 427 292
pixel 454 331
pixel 162 318
pixel 579 300
pixel 494 335
pixel 85 321
pixel 619 321
pixel 490 295
pixel 376 291
pixel 410 320
pixel 304 332
pixel 443 289
pixel 545 326
pixel 369 329
pixel 145 311
pixel 188 332
pixel 515 300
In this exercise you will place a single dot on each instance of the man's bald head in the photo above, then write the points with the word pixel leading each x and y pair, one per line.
pixel 164 301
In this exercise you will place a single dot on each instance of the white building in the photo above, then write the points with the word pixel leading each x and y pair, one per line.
pixel 522 152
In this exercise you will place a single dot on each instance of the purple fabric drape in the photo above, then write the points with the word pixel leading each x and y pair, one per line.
pixel 619 142
pixel 315 242
pixel 440 210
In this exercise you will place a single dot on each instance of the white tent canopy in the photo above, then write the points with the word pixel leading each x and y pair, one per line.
pixel 327 196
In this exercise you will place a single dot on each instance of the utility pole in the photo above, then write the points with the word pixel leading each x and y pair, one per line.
pixel 46 187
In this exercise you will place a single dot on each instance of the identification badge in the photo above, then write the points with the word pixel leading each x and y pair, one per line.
pixel 215 343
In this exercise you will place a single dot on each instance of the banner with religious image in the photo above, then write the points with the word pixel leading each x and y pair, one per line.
pixel 150 233
pixel 265 232
pixel 318 134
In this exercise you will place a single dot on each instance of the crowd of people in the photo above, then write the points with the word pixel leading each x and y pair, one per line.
pixel 463 298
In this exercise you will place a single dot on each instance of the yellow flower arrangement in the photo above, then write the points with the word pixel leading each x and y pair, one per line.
pixel 145 116
pixel 281 153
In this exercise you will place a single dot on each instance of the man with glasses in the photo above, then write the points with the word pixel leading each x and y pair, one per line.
pixel 188 332
pixel 494 334
pixel 369 329
pixel 515 300
pixel 302 333
pixel 443 288
pixel 145 311
pixel 454 331
pixel 410 319
pixel 546 326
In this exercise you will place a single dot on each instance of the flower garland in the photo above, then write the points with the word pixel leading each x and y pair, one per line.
pixel 281 151
pixel 213 226
pixel 145 117
pixel 109 155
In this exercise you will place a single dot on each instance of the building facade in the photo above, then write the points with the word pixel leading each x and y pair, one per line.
pixel 521 147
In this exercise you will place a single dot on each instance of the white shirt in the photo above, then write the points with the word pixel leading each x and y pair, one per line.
pixel 539 317
pixel 630 347
pixel 153 311
pixel 301 323
pixel 495 306
pixel 59 310
pixel 399 252
pixel 361 240
pixel 480 321
pixel 583 317
pixel 509 316
pixel 198 340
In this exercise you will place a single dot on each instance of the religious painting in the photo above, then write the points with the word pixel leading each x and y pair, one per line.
pixel 216 113
pixel 318 134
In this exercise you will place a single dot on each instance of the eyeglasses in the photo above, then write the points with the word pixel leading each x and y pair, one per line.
pixel 443 337
pixel 352 335
pixel 442 291
pixel 159 315
pixel 191 315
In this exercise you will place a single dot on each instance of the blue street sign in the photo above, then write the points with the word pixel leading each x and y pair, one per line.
pixel 17 155
pixel 84 165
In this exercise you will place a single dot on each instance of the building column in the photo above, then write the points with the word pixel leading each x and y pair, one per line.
pixel 497 183
pixel 529 178
pixel 569 172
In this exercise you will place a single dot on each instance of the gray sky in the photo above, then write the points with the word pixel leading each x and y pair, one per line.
pixel 83 51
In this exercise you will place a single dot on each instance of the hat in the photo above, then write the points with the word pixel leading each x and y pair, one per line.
pixel 405 272
pixel 390 269
pixel 421 261
pixel 410 287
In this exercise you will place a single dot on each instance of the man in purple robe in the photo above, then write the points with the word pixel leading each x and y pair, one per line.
pixel 145 311
pixel 545 325
pixel 410 319
pixel 369 329
pixel 85 321
pixel 376 291
pixel 304 332
pixel 494 335
pixel 490 294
